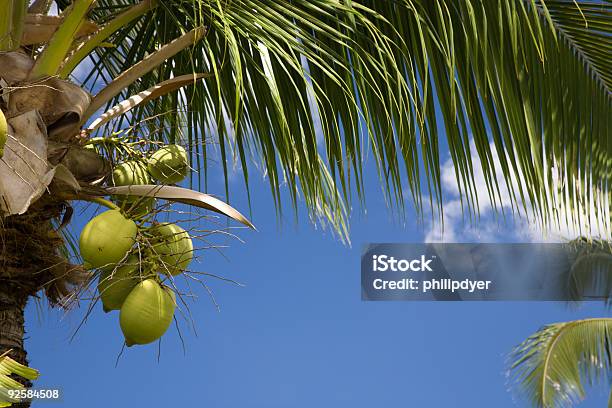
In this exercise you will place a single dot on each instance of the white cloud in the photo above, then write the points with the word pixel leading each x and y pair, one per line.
pixel 492 227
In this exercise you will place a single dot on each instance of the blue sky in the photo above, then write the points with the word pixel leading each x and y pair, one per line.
pixel 298 335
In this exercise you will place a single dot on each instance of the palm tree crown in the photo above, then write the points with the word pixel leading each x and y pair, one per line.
pixel 306 89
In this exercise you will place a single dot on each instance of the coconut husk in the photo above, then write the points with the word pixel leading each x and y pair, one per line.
pixel 15 66
pixel 64 181
pixel 39 28
pixel 24 170
pixel 86 165
pixel 61 105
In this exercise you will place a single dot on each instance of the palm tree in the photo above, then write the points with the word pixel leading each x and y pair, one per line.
pixel 303 91
pixel 552 364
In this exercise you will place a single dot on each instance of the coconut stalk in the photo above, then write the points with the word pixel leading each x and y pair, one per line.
pixel 5 27
pixel 12 21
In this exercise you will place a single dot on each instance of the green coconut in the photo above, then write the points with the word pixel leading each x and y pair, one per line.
pixel 107 238
pixel 169 165
pixel 130 173
pixel 146 313
pixel 115 284
pixel 133 173
pixel 174 247
pixel 138 208
pixel 3 132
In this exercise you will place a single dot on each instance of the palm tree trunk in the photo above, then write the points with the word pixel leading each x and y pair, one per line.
pixel 12 328
pixel 17 284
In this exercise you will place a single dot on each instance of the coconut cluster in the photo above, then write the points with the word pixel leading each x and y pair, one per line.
pixel 131 277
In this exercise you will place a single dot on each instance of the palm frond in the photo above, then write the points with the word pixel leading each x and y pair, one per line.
pixel 9 368
pixel 585 27
pixel 150 94
pixel 12 23
pixel 307 88
pixel 141 68
pixel 590 276
pixel 50 59
pixel 552 366
pixel 182 195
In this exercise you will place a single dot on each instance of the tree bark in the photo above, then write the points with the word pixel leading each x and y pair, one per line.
pixel 12 330
pixel 12 327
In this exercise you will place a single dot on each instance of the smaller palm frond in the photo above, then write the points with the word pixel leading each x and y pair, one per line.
pixel 590 276
pixel 552 366
pixel 9 367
